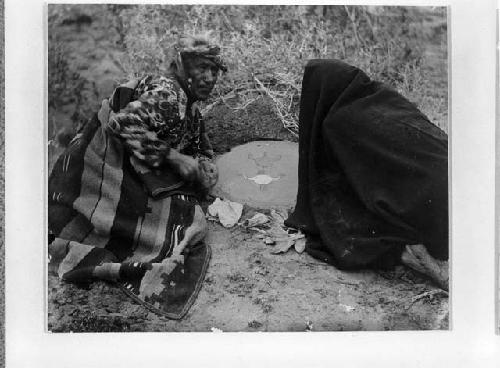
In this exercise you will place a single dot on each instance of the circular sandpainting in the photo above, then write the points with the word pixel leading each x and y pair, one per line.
pixel 262 174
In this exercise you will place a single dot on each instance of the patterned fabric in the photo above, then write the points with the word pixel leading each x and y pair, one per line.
pixel 200 46
pixel 153 118
pixel 156 120
pixel 105 223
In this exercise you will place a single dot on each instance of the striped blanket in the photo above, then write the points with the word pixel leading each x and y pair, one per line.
pixel 112 219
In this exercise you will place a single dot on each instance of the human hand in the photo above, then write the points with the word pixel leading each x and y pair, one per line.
pixel 209 174
pixel 186 166
pixel 145 146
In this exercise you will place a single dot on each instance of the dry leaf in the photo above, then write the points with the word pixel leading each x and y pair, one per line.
pixel 300 245
pixel 213 209
pixel 283 246
pixel 228 212
pixel 279 216
pixel 256 220
pixel 258 230
pixel 277 232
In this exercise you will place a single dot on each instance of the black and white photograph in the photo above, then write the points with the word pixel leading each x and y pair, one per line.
pixel 237 168
pixel 265 184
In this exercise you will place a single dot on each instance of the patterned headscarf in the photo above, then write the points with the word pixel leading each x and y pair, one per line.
pixel 198 46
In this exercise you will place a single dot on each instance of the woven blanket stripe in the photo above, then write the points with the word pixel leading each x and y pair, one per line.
pixel 114 230
pixel 184 208
pixel 130 212
pixel 158 284
pixel 65 179
pixel 150 232
pixel 100 187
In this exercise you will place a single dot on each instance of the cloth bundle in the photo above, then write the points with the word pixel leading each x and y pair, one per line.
pixel 373 171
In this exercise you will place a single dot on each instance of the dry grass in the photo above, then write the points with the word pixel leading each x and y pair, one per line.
pixel 267 47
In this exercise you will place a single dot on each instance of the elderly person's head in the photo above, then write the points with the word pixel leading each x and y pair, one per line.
pixel 196 66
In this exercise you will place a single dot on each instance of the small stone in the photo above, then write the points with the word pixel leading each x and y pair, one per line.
pixel 254 324
pixel 267 308
pixel 269 241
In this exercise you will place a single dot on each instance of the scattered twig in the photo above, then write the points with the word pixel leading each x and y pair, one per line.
pixel 352 18
pixel 427 294
pixel 289 124
pixel 228 96
pixel 352 283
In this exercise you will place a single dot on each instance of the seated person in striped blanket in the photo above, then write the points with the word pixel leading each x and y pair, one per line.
pixel 123 197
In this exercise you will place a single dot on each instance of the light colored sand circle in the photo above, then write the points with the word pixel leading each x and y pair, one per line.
pixel 262 174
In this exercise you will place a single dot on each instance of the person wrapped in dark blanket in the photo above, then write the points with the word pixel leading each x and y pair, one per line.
pixel 373 175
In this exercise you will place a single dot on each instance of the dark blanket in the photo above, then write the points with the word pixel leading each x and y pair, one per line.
pixel 373 171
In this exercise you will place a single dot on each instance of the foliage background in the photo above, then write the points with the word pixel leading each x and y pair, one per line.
pixel 93 47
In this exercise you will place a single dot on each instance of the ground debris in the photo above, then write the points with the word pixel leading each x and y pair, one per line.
pixel 347 308
pixel 82 321
pixel 269 241
pixel 284 244
pixel 279 216
pixel 428 294
pixel 272 230
pixel 256 220
pixel 300 245
pixel 254 324
pixel 226 211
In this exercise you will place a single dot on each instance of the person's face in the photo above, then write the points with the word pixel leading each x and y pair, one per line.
pixel 203 74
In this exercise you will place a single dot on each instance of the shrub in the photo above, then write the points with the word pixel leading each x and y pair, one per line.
pixel 267 47
pixel 66 87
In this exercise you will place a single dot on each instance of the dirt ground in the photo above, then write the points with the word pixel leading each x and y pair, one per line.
pixel 249 289
pixel 246 288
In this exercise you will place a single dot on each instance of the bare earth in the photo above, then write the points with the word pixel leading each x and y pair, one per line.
pixel 249 289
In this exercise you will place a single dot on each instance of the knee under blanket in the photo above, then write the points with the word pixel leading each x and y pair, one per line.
pixel 109 220
pixel 373 171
